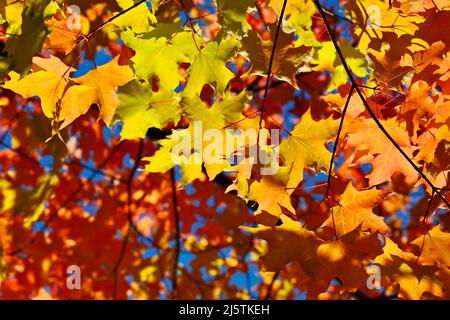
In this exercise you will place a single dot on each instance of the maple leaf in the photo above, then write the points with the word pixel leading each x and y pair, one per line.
pixel 61 38
pixel 138 19
pixel 427 31
pixel 434 245
pixel 287 60
pixel 305 146
pixel 286 243
pixel 11 13
pixel 162 160
pixel 401 267
pixel 61 97
pixel 166 58
pixel 209 67
pixel 418 102
pixel 300 18
pixel 272 196
pixel 104 80
pixel 375 19
pixel 429 142
pixel 210 122
pixel 343 258
pixel 422 59
pixel 196 69
pixel 21 49
pixel 388 159
pixel 387 61
pixel 423 5
pixel 49 85
pixel 325 58
pixel 165 159
pixel 140 109
pixel 355 210
pixel 233 15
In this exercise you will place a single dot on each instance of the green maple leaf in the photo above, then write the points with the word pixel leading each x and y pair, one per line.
pixel 140 108
pixel 196 110
pixel 155 56
pixel 222 112
pixel 11 13
pixel 327 59
pixel 138 19
pixel 209 67
pixel 306 146
pixel 233 14
pixel 21 49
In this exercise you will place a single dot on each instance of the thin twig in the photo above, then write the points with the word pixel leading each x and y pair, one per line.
pixel 189 20
pixel 269 70
pixel 270 287
pixel 424 225
pixel 53 214
pixel 177 232
pixel 336 142
pixel 121 13
pixel 129 216
pixel 271 59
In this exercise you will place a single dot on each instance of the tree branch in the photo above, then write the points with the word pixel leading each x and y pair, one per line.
pixel 129 218
pixel 272 56
pixel 336 142
pixel 177 232
pixel 366 105
pixel 269 289
pixel 189 20
pixel 53 214
pixel 121 13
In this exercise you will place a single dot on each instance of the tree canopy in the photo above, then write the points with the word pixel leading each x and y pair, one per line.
pixel 314 161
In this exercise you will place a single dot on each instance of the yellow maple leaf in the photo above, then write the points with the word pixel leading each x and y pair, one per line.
pixel 343 258
pixel 355 209
pixel 64 98
pixel 386 158
pixel 272 196
pixel 436 245
pixel 286 243
pixel 105 79
pixel 402 268
pixel 305 146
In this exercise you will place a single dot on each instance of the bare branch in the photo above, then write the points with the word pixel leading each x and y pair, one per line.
pixel 119 260
pixel 270 288
pixel 177 232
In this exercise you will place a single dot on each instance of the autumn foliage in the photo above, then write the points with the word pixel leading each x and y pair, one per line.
pixel 93 92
